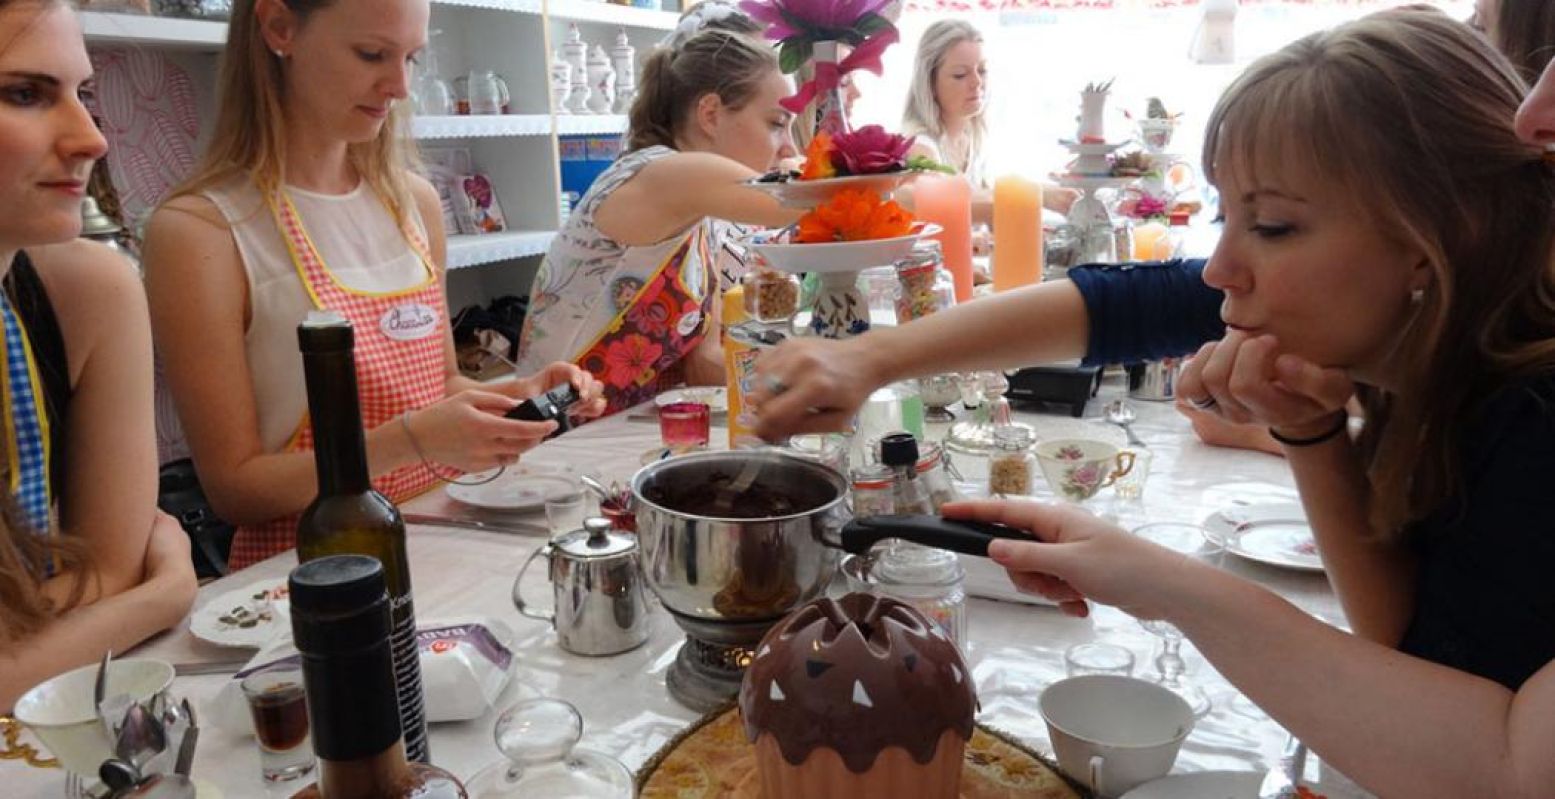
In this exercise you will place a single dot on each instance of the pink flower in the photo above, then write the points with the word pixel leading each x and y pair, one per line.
pixel 820 20
pixel 870 150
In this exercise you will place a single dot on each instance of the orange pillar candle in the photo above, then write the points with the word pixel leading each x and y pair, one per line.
pixel 946 200
pixel 1150 242
pixel 1017 232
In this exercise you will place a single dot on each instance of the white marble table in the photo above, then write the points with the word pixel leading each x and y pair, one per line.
pixel 1015 649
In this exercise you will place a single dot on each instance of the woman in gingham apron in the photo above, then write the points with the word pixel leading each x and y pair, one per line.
pixel 324 216
pixel 630 286
pixel 86 562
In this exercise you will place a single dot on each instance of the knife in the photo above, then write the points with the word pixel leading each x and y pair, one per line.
pixel 504 526
pixel 186 746
pixel 211 667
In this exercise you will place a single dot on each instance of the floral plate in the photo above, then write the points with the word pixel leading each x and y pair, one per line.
pixel 1274 534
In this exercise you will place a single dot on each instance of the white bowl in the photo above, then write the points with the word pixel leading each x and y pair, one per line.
pixel 810 193
pixel 840 256
pixel 60 712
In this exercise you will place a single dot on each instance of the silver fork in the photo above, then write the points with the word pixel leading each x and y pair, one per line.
pixel 1282 780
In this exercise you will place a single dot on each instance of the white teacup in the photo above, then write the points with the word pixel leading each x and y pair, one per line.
pixel 1114 733
pixel 1077 468
pixel 60 712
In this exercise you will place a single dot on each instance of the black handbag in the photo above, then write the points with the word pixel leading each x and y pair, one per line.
pixel 210 537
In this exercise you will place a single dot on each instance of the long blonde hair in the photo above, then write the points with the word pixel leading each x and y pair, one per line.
pixel 923 115
pixel 1411 113
pixel 250 137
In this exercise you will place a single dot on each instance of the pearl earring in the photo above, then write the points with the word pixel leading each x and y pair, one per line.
pixel 1416 296
pixel 278 54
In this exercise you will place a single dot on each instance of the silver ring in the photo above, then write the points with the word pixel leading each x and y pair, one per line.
pixel 775 385
pixel 1202 403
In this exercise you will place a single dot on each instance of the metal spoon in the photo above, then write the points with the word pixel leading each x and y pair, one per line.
pixel 597 487
pixel 1119 413
pixel 141 738
pixel 118 775
pixel 100 689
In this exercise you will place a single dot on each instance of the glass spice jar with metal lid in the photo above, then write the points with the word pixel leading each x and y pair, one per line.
pixel 770 296
pixel 872 487
pixel 926 285
pixel 1012 465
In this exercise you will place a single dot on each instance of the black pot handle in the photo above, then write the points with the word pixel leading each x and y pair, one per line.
pixel 956 535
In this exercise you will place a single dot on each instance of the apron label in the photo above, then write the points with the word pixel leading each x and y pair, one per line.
pixel 688 323
pixel 411 321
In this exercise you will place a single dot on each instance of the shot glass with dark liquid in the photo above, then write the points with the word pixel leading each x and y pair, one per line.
pixel 280 711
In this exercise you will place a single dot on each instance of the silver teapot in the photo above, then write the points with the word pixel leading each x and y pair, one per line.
pixel 600 607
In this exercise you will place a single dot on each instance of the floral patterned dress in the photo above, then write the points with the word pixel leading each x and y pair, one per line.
pixel 628 315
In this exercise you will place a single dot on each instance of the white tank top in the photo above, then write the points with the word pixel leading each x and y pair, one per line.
pixel 361 245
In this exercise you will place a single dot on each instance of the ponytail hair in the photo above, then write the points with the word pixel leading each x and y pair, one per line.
pixel 673 80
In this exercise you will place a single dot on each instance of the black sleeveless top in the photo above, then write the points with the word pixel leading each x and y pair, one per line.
pixel 27 296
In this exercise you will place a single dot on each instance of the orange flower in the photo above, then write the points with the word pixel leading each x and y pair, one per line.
pixel 854 215
pixel 817 158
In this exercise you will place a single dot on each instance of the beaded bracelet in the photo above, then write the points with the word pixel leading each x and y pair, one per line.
pixel 1342 425
pixel 431 467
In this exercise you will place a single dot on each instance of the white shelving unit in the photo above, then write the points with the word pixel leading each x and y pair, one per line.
pixel 476 127
pixel 465 251
pixel 589 124
pixel 518 151
pixel 148 31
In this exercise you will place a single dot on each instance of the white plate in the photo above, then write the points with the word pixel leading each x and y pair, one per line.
pixel 1275 534
pixel 235 618
pixel 1094 182
pixel 716 398
pixel 810 193
pixel 520 488
pixel 1229 785
pixel 840 256
pixel 1091 148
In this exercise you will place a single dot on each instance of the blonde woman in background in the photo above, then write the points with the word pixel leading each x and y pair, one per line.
pixel 305 200
pixel 946 109
pixel 86 561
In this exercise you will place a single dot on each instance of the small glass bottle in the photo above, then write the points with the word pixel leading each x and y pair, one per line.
pixel 929 579
pixel 934 473
pixel 1012 465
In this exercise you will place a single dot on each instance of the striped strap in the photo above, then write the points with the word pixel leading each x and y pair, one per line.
pixel 26 422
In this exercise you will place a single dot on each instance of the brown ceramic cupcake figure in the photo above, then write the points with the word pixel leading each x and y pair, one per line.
pixel 858 698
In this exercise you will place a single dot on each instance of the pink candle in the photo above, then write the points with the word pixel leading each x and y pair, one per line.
pixel 946 200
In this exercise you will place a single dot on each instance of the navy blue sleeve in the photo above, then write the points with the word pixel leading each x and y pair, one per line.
pixel 1147 311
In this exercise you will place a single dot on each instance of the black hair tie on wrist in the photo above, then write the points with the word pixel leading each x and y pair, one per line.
pixel 1339 427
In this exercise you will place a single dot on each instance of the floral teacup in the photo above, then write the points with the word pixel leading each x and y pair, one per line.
pixel 1077 468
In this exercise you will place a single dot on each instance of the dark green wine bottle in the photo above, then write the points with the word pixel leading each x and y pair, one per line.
pixel 349 517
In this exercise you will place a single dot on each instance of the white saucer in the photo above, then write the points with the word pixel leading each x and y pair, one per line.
pixel 1275 534
pixel 233 619
pixel 520 488
pixel 1233 785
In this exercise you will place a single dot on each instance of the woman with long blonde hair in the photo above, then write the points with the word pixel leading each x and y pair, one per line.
pixel 305 200
pixel 86 562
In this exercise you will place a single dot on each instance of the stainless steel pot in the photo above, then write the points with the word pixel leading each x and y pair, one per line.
pixel 725 579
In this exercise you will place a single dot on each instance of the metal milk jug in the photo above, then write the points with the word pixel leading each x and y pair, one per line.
pixel 601 608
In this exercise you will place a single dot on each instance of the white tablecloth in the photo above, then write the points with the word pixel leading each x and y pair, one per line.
pixel 1015 650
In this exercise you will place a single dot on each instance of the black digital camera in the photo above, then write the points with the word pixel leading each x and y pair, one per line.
pixel 550 406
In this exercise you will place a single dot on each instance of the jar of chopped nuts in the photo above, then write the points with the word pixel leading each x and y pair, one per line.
pixel 872 487
pixel 1011 465
pixel 770 296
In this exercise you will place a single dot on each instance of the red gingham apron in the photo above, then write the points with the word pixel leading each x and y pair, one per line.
pixel 639 353
pixel 395 371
